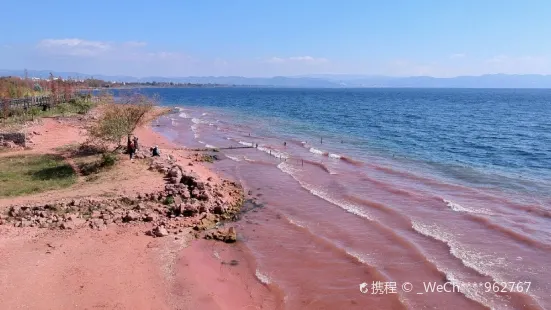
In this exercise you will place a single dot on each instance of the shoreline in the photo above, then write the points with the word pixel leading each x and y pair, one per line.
pixel 120 263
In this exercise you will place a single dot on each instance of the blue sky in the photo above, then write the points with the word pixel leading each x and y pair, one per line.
pixel 267 38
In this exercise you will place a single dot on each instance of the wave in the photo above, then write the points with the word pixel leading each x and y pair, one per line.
pixel 273 152
pixel 381 207
pixel 459 208
pixel 519 237
pixel 248 159
pixel 324 153
pixel 234 158
pixel 245 143
pixel 195 130
pixel 196 121
pixel 319 165
pixel 295 222
pixel 264 279
pixel 319 152
pixel 184 115
pixel 349 207
pixel 480 262
pixel 352 161
pixel 208 146
pixel 436 233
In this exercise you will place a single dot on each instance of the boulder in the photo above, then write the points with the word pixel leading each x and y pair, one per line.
pixel 151 217
pixel 132 216
pixel 175 172
pixel 159 231
pixel 98 224
pixel 228 235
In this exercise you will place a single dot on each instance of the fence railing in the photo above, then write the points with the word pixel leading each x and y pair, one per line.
pixel 42 101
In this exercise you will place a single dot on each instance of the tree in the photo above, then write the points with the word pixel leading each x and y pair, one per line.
pixel 120 119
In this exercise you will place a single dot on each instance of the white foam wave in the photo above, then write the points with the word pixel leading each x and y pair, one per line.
pixel 262 277
pixel 316 151
pixel 196 121
pixel 208 146
pixel 248 159
pixel 335 156
pixel 234 158
pixel 184 115
pixel 459 208
pixel 295 222
pixel 478 261
pixel 274 153
pixel 359 257
pixel 204 114
pixel 195 130
pixel 345 205
pixel 245 143
pixel 201 142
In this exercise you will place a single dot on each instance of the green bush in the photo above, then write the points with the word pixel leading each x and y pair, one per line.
pixel 108 160
pixel 34 112
pixel 169 200
pixel 81 106
pixel 63 108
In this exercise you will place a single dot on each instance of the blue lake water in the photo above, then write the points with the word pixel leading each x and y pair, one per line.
pixel 501 132
pixel 412 184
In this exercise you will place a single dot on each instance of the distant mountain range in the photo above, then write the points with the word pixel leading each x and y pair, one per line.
pixel 325 80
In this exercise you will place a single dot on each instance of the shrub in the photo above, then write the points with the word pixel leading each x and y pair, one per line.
pixel 34 112
pixel 169 200
pixel 121 119
pixel 63 108
pixel 108 160
pixel 81 106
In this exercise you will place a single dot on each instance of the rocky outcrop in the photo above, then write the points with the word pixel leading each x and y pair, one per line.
pixel 13 138
pixel 228 235
pixel 186 202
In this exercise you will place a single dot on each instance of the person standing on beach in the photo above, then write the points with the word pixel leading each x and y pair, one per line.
pixel 128 145
pixel 132 150
pixel 136 143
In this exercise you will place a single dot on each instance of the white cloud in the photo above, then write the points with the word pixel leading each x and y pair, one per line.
pixel 133 51
pixel 73 47
pixel 297 59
